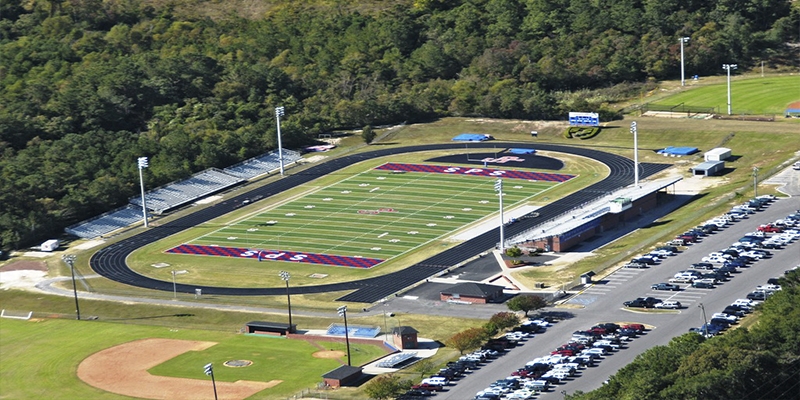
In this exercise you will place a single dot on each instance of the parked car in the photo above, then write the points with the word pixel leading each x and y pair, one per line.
pixel 637 265
pixel 669 304
pixel 703 265
pixel 702 285
pixel 636 303
pixel 665 286
pixel 770 228
pixel 649 260
pixel 757 295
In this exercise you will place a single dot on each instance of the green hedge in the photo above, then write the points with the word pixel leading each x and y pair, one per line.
pixel 581 132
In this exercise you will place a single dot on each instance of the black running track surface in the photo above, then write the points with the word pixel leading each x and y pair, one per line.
pixel 110 263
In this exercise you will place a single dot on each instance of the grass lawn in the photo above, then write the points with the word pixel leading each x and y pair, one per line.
pixel 751 95
pixel 52 350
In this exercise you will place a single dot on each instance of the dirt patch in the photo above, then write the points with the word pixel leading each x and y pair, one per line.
pixel 123 370
pixel 328 354
pixel 25 265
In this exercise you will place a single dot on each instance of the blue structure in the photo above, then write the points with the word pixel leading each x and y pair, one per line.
pixel 522 151
pixel 678 151
pixel 472 137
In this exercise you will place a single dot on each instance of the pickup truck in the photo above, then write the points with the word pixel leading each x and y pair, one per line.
pixel 665 286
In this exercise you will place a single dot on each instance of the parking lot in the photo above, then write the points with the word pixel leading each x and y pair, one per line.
pixel 602 302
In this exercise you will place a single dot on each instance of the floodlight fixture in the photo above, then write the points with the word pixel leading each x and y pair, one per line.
pixel 279 111
pixel 683 40
pixel 635 132
pixel 69 259
pixel 142 163
pixel 285 277
pixel 729 67
pixel 343 313
pixel 498 187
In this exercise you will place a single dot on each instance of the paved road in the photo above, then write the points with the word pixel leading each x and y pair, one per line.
pixel 110 262
pixel 603 303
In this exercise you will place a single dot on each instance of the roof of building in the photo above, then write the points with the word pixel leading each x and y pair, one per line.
pixel 343 372
pixel 473 289
pixel 591 211
pixel 708 165
pixel 267 324
pixel 718 150
pixel 404 330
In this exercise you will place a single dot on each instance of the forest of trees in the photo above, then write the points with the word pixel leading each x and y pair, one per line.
pixel 90 85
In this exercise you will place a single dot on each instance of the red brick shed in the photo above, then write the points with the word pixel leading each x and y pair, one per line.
pixel 343 376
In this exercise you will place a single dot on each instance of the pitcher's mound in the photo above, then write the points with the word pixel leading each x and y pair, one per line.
pixel 329 354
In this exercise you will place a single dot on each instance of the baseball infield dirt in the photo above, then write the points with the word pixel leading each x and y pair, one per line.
pixel 328 354
pixel 123 370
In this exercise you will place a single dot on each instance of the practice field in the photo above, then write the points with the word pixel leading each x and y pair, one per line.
pixel 373 216
pixel 769 95
pixel 43 360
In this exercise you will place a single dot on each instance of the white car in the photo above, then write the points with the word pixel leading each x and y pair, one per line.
pixel 752 254
pixel 769 287
pixel 744 302
pixel 669 304
pixel 595 350
pixel 539 322
pixel 720 254
pixel 730 318
pixel 714 260
pixel 768 197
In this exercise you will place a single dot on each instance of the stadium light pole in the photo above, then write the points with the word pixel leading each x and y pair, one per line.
pixel 755 181
pixel 209 370
pixel 285 276
pixel 343 313
pixel 683 40
pixel 635 133
pixel 174 287
pixel 705 320
pixel 498 187
pixel 142 162
pixel 385 328
pixel 278 114
pixel 729 67
pixel 70 260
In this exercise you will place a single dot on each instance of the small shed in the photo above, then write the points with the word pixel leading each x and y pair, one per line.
pixel 405 337
pixel 471 292
pixel 342 376
pixel 587 277
pixel 708 168
pixel 270 328
pixel 717 154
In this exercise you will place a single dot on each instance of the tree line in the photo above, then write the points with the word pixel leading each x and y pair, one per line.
pixel 90 85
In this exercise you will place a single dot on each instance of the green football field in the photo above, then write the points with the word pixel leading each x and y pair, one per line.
pixel 769 95
pixel 376 214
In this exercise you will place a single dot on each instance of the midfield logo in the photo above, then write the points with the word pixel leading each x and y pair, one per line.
pixel 502 160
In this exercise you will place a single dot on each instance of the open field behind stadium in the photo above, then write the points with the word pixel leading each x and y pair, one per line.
pixel 750 95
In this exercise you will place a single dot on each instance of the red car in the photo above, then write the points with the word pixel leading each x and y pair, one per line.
pixel 769 228
pixel 428 387
pixel 636 327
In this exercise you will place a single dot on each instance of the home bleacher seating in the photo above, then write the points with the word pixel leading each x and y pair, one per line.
pixel 263 164
pixel 106 223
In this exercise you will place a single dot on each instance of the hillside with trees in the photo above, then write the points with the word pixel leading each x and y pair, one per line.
pixel 89 85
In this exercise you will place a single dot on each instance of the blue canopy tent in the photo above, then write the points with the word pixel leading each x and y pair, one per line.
pixel 472 137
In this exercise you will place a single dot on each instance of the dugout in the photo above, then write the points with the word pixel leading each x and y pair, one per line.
pixel 270 328
pixel 343 376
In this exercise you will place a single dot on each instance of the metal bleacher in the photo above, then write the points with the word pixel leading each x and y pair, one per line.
pixel 369 332
pixel 397 359
pixel 182 192
pixel 106 223
pixel 263 164
pixel 179 193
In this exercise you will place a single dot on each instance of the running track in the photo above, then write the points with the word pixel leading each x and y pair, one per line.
pixel 110 263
